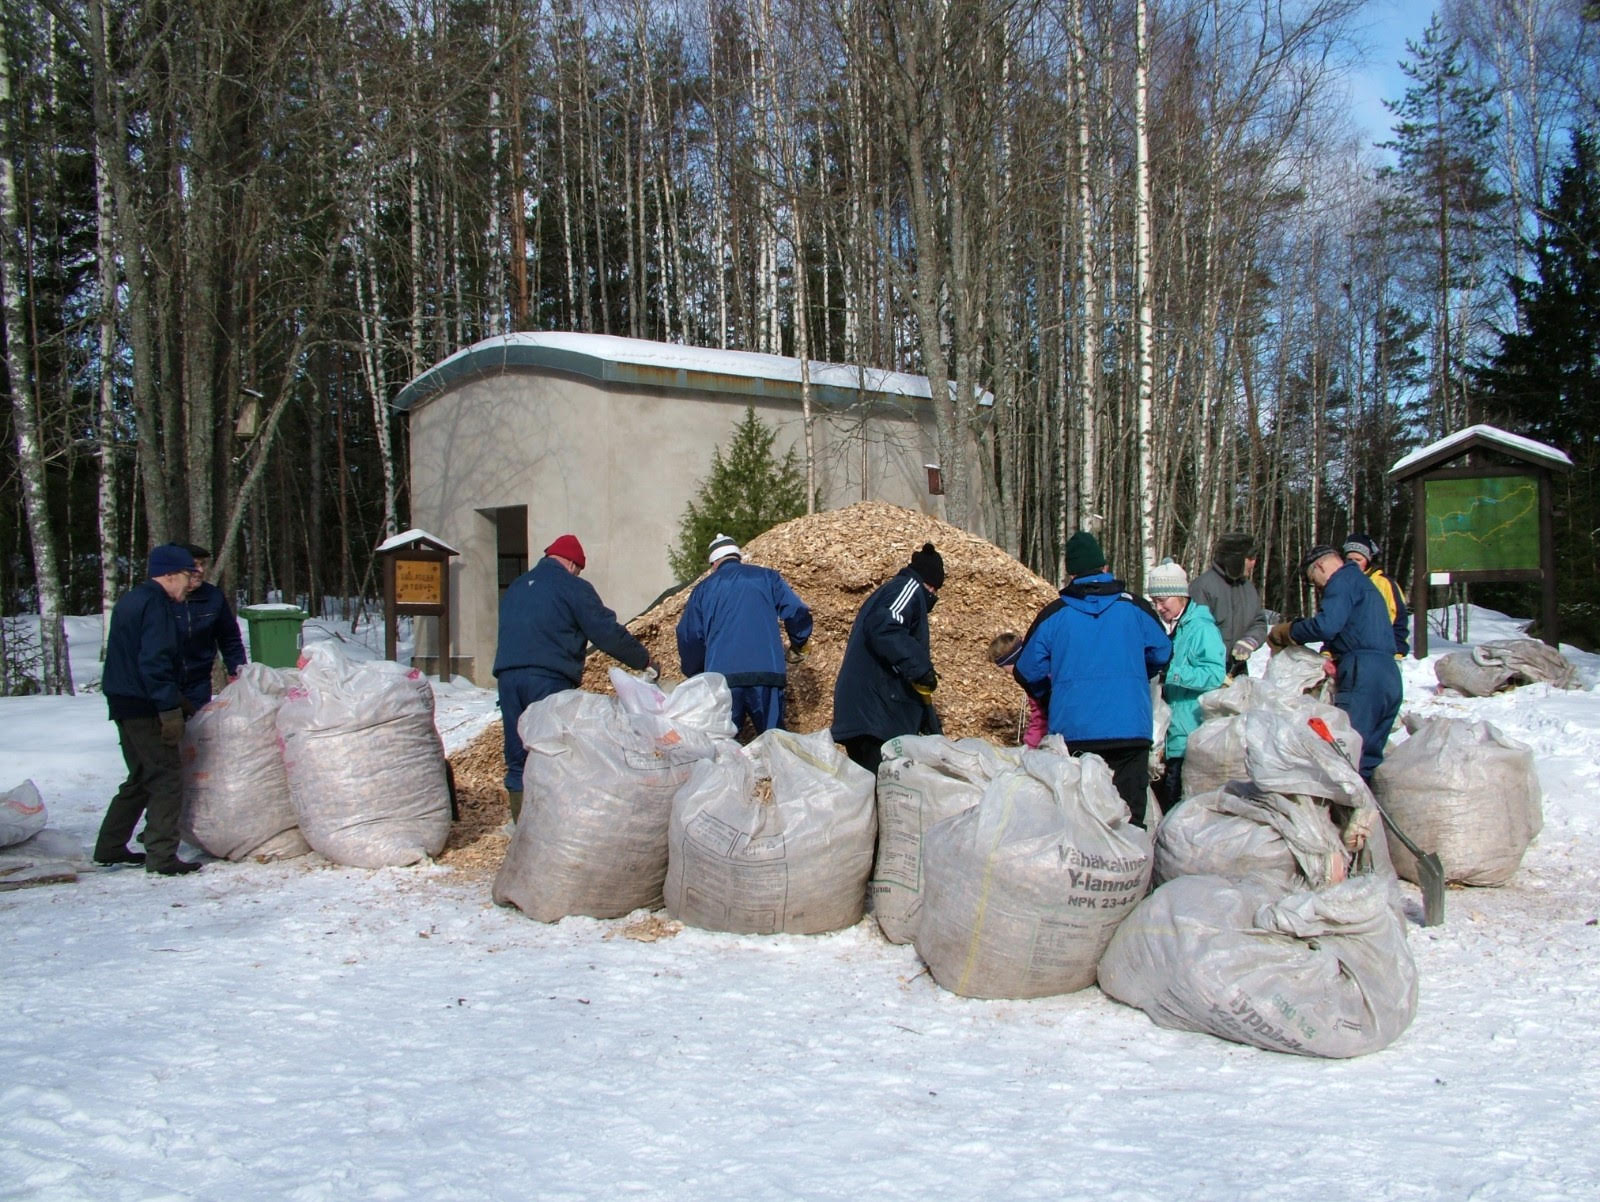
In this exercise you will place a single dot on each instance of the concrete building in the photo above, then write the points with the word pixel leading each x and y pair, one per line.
pixel 523 437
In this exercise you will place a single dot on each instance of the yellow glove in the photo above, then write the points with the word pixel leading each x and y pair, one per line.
pixel 926 684
pixel 799 651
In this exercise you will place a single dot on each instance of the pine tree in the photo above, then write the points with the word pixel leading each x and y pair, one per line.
pixel 748 490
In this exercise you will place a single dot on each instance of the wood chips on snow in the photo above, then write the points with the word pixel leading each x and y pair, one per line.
pixel 834 560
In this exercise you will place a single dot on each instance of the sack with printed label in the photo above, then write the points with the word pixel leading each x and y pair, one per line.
pixel 1022 891
pixel 773 837
pixel 365 764
pixel 1465 791
pixel 1320 972
pixel 597 793
pixel 923 780
pixel 236 801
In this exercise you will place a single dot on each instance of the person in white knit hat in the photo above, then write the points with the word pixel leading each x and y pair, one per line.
pixel 1199 664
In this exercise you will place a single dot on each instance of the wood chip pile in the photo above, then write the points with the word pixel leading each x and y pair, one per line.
pixel 834 560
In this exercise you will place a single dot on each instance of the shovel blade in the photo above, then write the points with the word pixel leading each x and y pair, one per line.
pixel 1430 875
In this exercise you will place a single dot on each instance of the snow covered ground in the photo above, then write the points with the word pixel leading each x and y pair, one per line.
pixel 309 1032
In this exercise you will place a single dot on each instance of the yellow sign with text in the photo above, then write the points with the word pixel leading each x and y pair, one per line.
pixel 418 582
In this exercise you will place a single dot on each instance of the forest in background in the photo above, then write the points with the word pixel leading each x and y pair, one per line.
pixel 231 232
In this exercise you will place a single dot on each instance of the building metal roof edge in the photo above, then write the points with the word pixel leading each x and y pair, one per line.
pixel 607 359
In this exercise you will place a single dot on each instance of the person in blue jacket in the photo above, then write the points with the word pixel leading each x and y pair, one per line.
pixel 206 628
pixel 730 626
pixel 548 616
pixel 141 683
pixel 1088 660
pixel 1199 664
pixel 1352 624
pixel 886 680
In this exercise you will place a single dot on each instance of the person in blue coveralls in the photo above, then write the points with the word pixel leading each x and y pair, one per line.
pixel 143 668
pixel 886 680
pixel 1088 660
pixel 206 628
pixel 548 616
pixel 730 626
pixel 1352 624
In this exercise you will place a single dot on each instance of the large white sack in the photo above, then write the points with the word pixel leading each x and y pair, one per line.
pixel 22 814
pixel 1465 791
pixel 1300 670
pixel 1503 663
pixel 1216 750
pixel 773 837
pixel 1022 891
pixel 1282 754
pixel 236 799
pixel 365 764
pixel 923 780
pixel 597 794
pixel 1321 972
pixel 1246 833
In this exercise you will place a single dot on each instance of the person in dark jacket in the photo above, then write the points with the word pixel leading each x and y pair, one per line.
pixel 141 683
pixel 548 616
pixel 1088 660
pixel 730 626
pixel 1226 590
pixel 206 628
pixel 886 680
pixel 1363 551
pixel 1352 624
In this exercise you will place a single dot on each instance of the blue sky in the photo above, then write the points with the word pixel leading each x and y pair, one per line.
pixel 1385 27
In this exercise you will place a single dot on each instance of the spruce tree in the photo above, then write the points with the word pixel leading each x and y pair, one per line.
pixel 747 491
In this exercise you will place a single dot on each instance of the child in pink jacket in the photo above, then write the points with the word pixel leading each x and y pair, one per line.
pixel 1004 649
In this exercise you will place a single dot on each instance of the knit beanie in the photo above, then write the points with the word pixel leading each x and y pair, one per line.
pixel 568 547
pixel 1316 553
pixel 928 564
pixel 1364 545
pixel 721 547
pixel 1084 554
pixel 169 558
pixel 1166 579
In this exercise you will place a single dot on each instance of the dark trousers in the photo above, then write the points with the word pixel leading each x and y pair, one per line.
pixel 520 688
pixel 154 788
pixel 866 750
pixel 1129 761
pixel 762 704
pixel 1172 785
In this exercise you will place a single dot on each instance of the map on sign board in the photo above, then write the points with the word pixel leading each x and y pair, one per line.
pixel 1483 524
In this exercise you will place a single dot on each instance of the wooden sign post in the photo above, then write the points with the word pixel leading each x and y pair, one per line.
pixel 416 583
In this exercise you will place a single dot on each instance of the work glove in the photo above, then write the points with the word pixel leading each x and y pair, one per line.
pixel 925 685
pixel 652 671
pixel 799 651
pixel 1278 637
pixel 1245 648
pixel 171 727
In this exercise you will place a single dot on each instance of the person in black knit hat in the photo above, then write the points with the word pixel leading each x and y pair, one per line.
pixel 886 681
pixel 1226 590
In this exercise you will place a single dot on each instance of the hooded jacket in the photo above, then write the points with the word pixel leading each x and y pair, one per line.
pixel 1089 658
pixel 730 625
pixel 547 618
pixel 1227 592
pixel 1199 664
pixel 888 649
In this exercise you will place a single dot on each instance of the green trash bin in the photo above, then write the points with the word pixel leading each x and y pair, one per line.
pixel 274 633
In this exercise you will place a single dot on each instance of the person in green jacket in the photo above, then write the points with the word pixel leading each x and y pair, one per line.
pixel 1199 664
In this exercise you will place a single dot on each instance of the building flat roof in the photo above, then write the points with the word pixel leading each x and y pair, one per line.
pixel 608 358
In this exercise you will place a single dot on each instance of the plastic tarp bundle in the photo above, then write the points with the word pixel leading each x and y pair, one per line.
pixel 1465 791
pixel 597 793
pixel 1023 891
pixel 1217 747
pixel 236 800
pixel 923 780
pixel 1246 833
pixel 1323 972
pixel 1504 663
pixel 365 764
pixel 1299 670
pixel 22 814
pixel 774 837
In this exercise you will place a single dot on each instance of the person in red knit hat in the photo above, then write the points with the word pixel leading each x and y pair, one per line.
pixel 548 617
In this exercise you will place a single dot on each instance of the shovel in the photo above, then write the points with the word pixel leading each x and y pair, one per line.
pixel 1430 871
